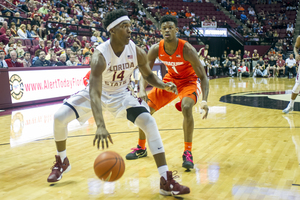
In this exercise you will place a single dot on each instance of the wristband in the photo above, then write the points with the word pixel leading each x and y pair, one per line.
pixel 203 103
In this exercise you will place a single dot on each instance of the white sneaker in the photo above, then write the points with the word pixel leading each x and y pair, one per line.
pixel 288 109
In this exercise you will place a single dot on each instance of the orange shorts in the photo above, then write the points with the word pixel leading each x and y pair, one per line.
pixel 186 88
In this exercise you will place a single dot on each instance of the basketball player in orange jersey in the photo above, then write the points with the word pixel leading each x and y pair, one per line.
pixel 184 68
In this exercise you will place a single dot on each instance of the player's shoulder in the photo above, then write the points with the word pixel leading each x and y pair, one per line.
pixel 132 44
pixel 188 48
pixel 103 46
pixel 187 45
pixel 154 48
pixel 298 40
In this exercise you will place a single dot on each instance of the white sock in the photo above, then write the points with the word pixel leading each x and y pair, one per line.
pixel 162 170
pixel 292 103
pixel 62 154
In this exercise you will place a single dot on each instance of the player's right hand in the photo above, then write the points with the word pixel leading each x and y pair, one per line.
pixel 143 95
pixel 101 135
pixel 204 107
pixel 297 57
pixel 171 87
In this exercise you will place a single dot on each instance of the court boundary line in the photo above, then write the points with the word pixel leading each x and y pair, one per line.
pixel 178 129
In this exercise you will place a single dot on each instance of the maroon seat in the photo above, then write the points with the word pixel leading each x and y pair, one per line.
pixel 35 42
pixel 18 39
pixel 27 42
pixel 31 50
pixel 282 30
pixel 282 35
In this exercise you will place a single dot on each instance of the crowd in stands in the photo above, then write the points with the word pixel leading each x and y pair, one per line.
pixel 273 64
pixel 187 17
pixel 265 20
pixel 46 34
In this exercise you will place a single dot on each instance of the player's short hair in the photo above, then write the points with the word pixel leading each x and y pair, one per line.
pixel 113 15
pixel 169 18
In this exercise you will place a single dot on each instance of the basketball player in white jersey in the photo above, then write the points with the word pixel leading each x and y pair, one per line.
pixel 296 87
pixel 112 65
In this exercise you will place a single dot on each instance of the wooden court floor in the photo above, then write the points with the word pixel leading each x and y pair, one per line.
pixel 246 149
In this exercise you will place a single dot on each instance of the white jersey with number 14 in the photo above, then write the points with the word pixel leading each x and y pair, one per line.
pixel 116 76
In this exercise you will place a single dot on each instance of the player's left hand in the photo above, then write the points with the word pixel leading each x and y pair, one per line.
pixel 205 108
pixel 171 87
pixel 298 57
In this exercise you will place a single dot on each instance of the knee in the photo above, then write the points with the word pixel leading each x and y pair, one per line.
pixel 59 119
pixel 187 110
pixel 151 120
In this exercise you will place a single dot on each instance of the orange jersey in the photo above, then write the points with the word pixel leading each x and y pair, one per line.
pixel 177 67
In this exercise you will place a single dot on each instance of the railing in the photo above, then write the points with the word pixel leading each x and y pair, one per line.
pixel 9 19
pixel 6 9
pixel 260 40
pixel 85 30
pixel 199 35
pixel 66 6
pixel 236 35
pixel 16 7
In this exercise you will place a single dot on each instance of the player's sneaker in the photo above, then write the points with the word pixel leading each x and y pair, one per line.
pixel 58 169
pixel 137 153
pixel 171 187
pixel 288 109
pixel 178 106
pixel 188 162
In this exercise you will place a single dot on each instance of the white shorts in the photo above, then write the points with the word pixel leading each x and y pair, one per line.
pixel 136 74
pixel 81 103
pixel 296 87
pixel 116 104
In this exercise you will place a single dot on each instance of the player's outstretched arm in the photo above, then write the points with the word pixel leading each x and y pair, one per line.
pixel 148 75
pixel 296 48
pixel 190 54
pixel 98 65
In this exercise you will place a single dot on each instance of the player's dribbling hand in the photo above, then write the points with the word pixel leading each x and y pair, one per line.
pixel 204 107
pixel 171 87
pixel 298 57
pixel 143 95
pixel 101 135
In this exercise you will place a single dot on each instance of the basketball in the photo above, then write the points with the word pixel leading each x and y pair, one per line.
pixel 109 166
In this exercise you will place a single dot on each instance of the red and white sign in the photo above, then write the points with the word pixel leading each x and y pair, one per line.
pixel 44 84
pixel 209 24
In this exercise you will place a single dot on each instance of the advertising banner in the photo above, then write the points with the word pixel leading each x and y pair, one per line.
pixel 209 24
pixel 44 84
